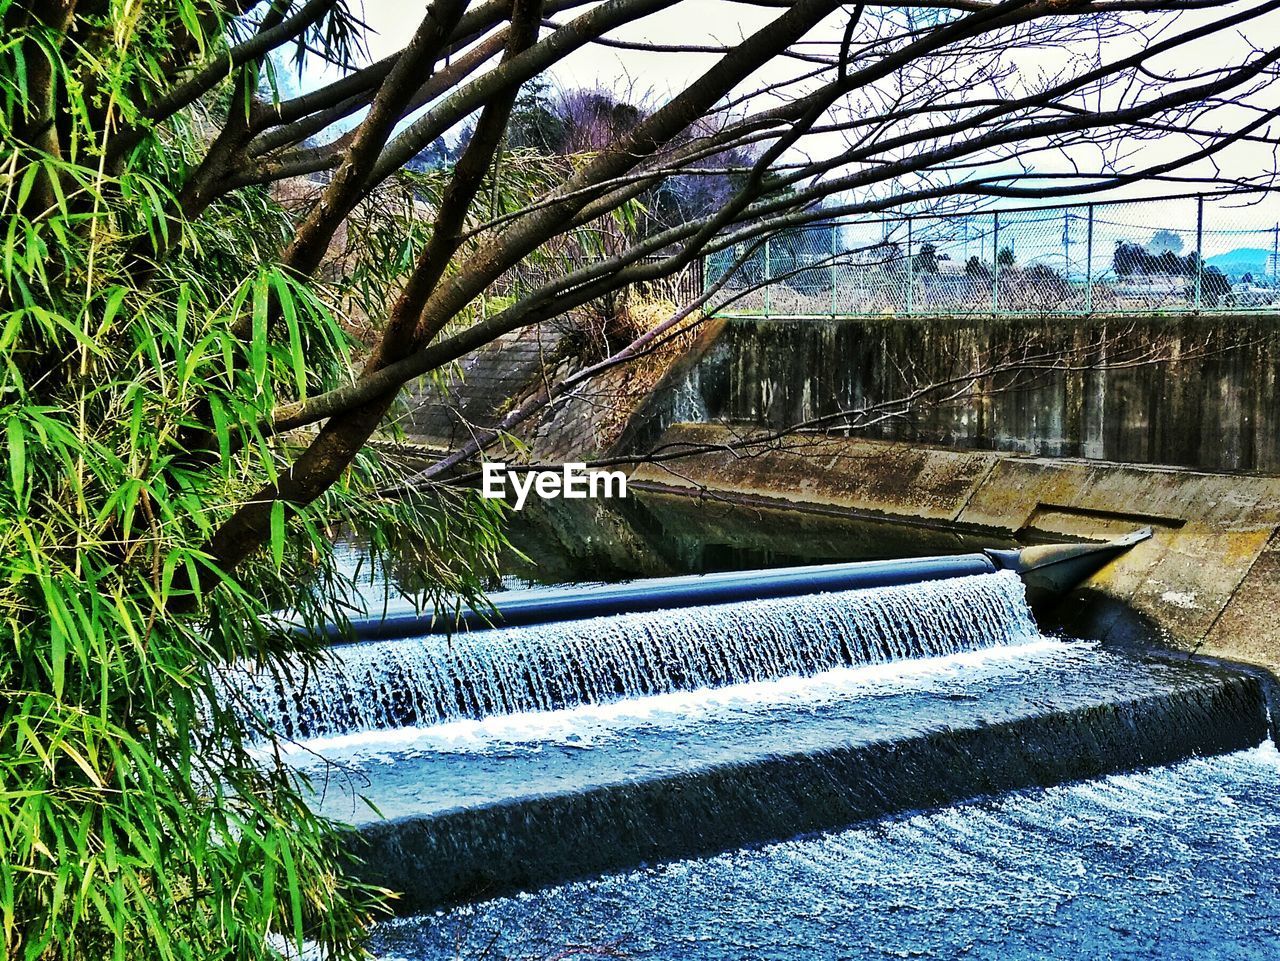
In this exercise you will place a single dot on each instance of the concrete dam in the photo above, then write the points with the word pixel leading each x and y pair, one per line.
pixel 1083 427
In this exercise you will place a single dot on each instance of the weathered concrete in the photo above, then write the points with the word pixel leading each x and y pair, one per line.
pixel 485 385
pixel 1190 391
pixel 1206 581
pixel 588 422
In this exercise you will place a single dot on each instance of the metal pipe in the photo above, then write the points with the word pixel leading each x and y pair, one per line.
pixel 540 606
pixel 1048 570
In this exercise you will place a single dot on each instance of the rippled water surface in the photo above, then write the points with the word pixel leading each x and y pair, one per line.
pixel 1173 863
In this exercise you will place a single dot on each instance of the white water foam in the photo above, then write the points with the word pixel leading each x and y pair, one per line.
pixel 380 685
pixel 592 725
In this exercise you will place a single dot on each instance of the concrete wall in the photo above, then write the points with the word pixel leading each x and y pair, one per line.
pixel 1210 402
pixel 586 423
pixel 1207 581
pixel 481 389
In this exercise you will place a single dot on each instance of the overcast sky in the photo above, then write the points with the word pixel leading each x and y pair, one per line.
pixel 656 76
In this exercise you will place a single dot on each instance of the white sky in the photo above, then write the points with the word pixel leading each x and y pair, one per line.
pixel 689 22
pixel 655 76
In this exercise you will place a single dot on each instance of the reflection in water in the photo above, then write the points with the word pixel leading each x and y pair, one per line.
pixel 658 535
pixel 652 535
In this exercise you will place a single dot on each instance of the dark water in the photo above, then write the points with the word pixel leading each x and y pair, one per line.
pixel 657 535
pixel 1172 863
pixel 651 534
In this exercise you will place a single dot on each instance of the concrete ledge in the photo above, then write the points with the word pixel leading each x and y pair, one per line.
pixel 1215 534
pixel 929 483
pixel 945 753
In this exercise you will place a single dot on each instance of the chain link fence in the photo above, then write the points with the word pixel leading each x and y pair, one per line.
pixel 1212 253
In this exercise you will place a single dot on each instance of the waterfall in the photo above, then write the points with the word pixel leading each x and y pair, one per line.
pixel 418 681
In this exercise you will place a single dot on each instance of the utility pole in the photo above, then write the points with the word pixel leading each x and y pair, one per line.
pixel 1088 266
pixel 995 263
pixel 768 278
pixel 911 271
pixel 1066 244
pixel 1199 289
pixel 1275 256
pixel 835 278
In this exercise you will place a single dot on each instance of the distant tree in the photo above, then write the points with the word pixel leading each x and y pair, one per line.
pixel 1214 287
pixel 593 119
pixel 1164 241
pixel 1045 278
pixel 1006 258
pixel 1130 259
pixel 926 262
pixel 1170 263
pixel 976 269
pixel 535 123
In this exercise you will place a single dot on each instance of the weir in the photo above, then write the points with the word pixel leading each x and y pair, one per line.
pixel 470 816
pixel 414 681
pixel 514 758
pixel 1153 865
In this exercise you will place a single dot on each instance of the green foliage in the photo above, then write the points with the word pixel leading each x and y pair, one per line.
pixel 140 817
pixel 535 123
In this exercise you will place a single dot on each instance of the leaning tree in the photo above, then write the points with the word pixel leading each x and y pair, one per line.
pixel 187 416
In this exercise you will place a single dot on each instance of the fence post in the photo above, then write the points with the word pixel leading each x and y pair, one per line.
pixel 995 264
pixel 1199 251
pixel 835 243
pixel 911 272
pixel 768 280
pixel 1066 244
pixel 1088 266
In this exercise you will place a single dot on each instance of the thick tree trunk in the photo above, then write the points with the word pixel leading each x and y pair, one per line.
pixel 319 467
pixel 342 437
pixel 36 125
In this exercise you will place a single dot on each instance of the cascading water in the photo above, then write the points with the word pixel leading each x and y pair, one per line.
pixel 386 684
pixel 1172 864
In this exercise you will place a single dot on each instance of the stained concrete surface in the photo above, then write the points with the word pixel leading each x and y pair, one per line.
pixel 1205 582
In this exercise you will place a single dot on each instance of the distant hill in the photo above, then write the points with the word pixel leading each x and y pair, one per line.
pixel 1243 260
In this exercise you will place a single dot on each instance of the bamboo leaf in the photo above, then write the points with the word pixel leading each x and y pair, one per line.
pixel 295 893
pixel 284 296
pixel 17 456
pixel 258 343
